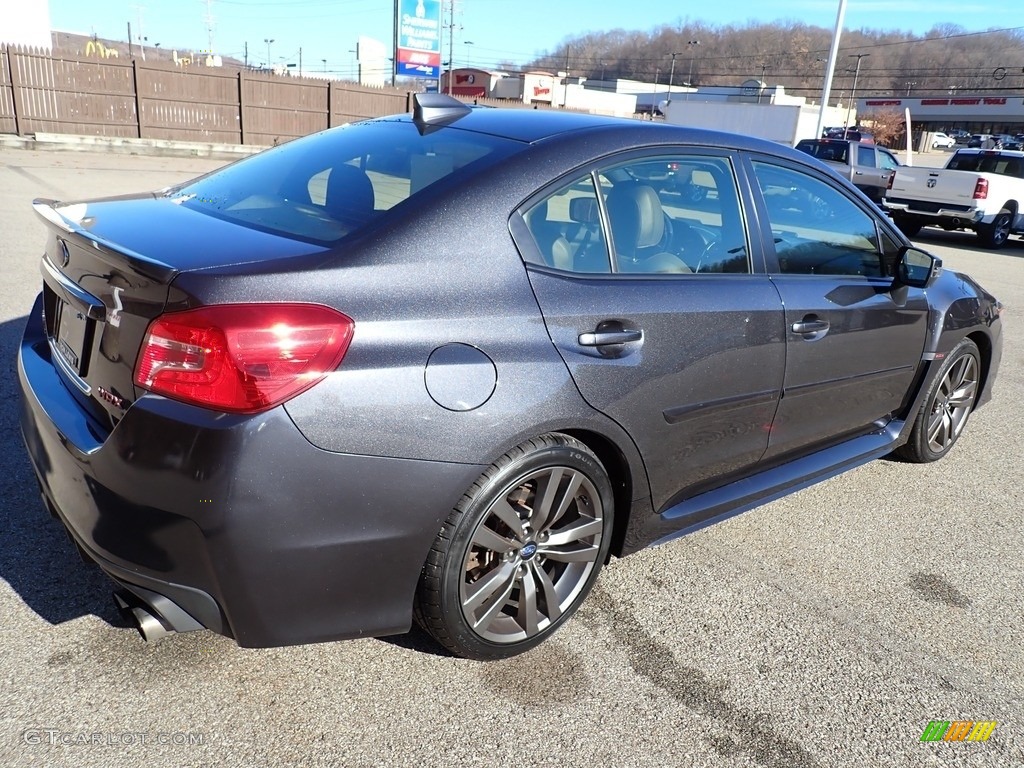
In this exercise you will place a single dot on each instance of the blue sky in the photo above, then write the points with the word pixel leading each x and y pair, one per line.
pixel 486 32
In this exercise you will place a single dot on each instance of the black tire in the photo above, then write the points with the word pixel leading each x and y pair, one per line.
pixel 947 405
pixel 995 235
pixel 496 583
pixel 909 227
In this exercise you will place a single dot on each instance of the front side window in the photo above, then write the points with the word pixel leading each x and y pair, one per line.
pixel 326 186
pixel 817 229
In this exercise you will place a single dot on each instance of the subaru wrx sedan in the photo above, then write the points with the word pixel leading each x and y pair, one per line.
pixel 442 367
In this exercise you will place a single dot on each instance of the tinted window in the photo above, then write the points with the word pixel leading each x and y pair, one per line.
pixel 978 162
pixel 866 156
pixel 567 229
pixel 887 161
pixel 817 229
pixel 325 186
pixel 675 214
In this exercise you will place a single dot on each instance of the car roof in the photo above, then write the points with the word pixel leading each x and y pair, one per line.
pixel 533 126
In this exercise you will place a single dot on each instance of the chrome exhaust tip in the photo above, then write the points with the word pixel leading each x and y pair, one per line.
pixel 139 615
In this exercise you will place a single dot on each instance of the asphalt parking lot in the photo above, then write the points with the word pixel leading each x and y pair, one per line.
pixel 826 629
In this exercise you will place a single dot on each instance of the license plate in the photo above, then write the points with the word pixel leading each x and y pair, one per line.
pixel 70 340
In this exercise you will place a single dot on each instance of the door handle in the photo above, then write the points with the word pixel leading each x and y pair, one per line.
pixel 808 325
pixel 601 338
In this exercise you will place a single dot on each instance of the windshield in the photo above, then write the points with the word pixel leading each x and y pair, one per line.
pixel 326 186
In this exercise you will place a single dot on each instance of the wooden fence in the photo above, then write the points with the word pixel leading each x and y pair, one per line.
pixel 61 93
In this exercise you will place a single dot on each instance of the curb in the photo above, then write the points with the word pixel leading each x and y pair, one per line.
pixel 60 142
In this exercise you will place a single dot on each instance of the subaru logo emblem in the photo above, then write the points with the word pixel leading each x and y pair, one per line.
pixel 528 551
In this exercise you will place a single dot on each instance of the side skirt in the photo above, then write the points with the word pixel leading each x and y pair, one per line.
pixel 735 498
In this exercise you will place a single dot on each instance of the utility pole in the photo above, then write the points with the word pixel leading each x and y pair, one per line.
pixel 142 48
pixel 246 54
pixel 565 86
pixel 131 53
pixel 209 26
pixel 451 44
pixel 853 93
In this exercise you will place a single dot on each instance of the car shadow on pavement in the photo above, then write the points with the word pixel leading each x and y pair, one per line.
pixel 967 241
pixel 37 559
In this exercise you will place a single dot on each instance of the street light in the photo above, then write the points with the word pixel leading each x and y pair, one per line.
pixel 853 93
pixel 672 70
pixel 689 77
pixel 325 65
pixel 268 41
pixel 910 86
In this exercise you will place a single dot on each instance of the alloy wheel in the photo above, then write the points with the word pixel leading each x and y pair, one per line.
pixel 953 401
pixel 532 554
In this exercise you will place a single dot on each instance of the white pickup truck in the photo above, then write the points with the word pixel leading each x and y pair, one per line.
pixel 979 189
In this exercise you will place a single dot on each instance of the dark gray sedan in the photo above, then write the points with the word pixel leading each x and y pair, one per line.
pixel 444 366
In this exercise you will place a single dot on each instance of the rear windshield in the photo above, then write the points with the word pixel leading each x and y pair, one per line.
pixel 983 162
pixel 834 151
pixel 327 186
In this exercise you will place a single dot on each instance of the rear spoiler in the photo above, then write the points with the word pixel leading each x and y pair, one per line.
pixel 49 211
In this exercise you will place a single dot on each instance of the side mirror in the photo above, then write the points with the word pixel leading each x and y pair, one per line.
pixel 917 268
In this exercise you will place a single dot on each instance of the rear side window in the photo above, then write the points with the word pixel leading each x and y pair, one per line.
pixel 326 186
pixel 673 214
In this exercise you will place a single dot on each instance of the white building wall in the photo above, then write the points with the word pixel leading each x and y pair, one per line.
pixel 25 22
pixel 786 124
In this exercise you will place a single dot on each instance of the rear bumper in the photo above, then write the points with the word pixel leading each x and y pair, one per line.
pixel 238 520
pixel 961 215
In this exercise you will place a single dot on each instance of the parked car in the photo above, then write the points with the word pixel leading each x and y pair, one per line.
pixel 979 140
pixel 979 190
pixel 850 134
pixel 943 141
pixel 868 166
pixel 1012 143
pixel 960 135
pixel 444 365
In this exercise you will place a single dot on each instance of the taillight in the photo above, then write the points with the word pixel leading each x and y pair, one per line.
pixel 981 189
pixel 242 358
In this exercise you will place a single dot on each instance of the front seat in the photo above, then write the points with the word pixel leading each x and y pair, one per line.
pixel 638 228
pixel 350 197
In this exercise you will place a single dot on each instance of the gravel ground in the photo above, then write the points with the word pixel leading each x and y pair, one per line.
pixel 826 629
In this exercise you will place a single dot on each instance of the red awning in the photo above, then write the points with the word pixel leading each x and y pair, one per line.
pixel 469 90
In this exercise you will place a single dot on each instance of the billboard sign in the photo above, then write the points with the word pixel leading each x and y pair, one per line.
pixel 419 38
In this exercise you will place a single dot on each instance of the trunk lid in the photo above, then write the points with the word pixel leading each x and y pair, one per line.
pixel 107 272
